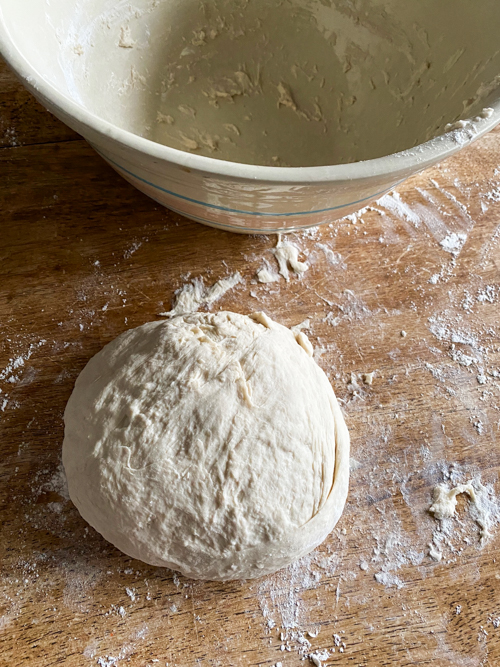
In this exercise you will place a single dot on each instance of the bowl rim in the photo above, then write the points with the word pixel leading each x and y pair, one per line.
pixel 409 160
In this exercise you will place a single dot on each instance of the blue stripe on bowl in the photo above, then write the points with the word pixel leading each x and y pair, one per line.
pixel 236 228
pixel 233 210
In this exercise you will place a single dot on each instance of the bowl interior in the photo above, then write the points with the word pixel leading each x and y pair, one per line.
pixel 292 83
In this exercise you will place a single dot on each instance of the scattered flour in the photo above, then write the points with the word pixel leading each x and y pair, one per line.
pixel 454 242
pixel 318 657
pixel 107 661
pixel 333 258
pixel 388 579
pixel 131 593
pixel 16 365
pixel 393 203
pixel 305 324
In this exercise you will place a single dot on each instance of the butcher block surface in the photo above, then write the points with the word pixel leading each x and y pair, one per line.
pixel 408 290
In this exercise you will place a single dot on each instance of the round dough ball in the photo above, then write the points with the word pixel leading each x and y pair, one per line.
pixel 212 444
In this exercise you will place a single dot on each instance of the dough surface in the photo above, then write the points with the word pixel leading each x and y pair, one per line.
pixel 211 443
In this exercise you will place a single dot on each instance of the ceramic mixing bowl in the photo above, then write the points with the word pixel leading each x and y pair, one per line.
pixel 372 84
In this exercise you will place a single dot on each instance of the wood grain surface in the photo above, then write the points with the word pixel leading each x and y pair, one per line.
pixel 84 256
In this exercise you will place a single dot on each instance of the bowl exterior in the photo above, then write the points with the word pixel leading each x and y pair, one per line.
pixel 242 205
pixel 233 203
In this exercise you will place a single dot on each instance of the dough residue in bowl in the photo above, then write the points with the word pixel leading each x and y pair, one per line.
pixel 291 83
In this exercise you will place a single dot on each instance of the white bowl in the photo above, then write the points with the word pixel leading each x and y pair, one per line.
pixel 42 42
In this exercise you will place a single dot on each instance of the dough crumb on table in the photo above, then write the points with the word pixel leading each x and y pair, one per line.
pixel 480 508
pixel 287 256
pixel 191 296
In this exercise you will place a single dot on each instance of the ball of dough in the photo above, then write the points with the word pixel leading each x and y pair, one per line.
pixel 212 444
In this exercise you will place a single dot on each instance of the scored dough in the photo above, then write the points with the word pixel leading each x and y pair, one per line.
pixel 212 444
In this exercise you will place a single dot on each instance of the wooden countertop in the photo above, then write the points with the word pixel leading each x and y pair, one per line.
pixel 84 256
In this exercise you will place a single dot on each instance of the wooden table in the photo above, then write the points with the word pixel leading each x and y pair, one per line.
pixel 84 256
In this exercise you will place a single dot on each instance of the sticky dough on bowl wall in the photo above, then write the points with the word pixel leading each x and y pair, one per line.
pixel 298 83
pixel 270 93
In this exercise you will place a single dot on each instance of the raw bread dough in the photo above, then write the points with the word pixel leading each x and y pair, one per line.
pixel 212 444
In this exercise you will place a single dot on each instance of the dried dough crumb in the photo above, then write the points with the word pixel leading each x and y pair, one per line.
pixel 126 41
